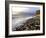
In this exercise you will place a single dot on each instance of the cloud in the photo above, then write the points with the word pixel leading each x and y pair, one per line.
pixel 19 10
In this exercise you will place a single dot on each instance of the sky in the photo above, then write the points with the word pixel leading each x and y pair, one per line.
pixel 21 10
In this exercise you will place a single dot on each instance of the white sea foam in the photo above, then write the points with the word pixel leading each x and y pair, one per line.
pixel 19 21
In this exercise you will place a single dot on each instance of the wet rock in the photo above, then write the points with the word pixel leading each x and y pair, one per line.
pixel 30 24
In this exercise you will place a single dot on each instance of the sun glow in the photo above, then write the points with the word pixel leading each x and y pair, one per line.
pixel 18 10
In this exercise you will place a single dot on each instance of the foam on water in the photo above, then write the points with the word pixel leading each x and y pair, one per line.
pixel 19 21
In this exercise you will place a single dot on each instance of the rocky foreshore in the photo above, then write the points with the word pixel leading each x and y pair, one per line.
pixel 30 24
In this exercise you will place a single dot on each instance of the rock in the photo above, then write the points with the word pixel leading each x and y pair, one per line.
pixel 30 24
